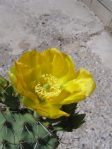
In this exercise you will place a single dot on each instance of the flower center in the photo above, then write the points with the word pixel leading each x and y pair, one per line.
pixel 47 87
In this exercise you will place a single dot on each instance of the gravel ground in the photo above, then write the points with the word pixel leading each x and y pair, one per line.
pixel 96 133
pixel 70 32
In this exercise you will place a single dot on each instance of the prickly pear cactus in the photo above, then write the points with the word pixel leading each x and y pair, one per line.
pixel 22 131
pixel 21 128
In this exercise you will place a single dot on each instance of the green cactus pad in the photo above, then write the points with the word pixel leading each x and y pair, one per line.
pixel 24 132
pixel 21 128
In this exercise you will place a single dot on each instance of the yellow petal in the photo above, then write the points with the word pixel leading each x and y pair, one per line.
pixel 16 74
pixel 50 61
pixel 21 87
pixel 54 61
pixel 74 98
pixel 50 111
pixel 70 67
pixel 29 103
pixel 12 75
pixel 62 65
pixel 30 58
pixel 45 109
pixel 29 74
pixel 58 63
pixel 84 82
pixel 59 98
pixel 81 87
pixel 34 59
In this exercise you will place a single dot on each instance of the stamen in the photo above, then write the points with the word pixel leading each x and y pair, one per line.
pixel 48 87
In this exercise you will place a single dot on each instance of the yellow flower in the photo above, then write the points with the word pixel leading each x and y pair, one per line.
pixel 48 80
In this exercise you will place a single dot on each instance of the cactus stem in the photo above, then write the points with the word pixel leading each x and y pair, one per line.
pixel 13 117
pixel 45 128
pixel 3 115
